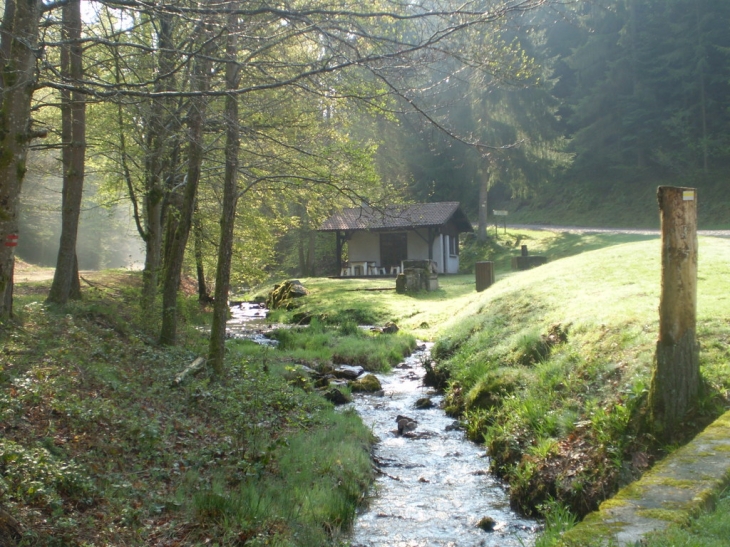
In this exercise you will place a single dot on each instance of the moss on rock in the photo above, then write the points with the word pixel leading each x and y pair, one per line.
pixel 367 384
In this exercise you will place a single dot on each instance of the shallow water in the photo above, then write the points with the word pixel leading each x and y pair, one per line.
pixel 248 320
pixel 434 487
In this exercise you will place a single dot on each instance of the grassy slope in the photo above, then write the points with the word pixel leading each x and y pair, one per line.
pixel 569 419
pixel 581 435
pixel 565 425
pixel 374 301
pixel 97 447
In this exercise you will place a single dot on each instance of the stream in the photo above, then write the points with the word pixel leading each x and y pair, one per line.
pixel 433 485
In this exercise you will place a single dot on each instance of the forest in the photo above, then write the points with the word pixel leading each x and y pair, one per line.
pixel 172 131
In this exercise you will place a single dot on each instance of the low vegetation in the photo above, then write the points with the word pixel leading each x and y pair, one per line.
pixel 710 530
pixel 98 448
pixel 549 368
pixel 346 344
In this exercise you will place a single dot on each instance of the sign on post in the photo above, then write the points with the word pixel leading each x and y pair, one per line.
pixel 499 213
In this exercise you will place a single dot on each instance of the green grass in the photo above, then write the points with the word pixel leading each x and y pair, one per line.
pixel 97 447
pixel 502 246
pixel 374 301
pixel 352 301
pixel 588 392
pixel 319 344
pixel 561 421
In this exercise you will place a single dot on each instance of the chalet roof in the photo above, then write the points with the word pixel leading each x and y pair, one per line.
pixel 393 217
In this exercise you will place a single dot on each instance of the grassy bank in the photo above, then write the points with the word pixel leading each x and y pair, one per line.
pixel 550 369
pixel 710 530
pixel 374 301
pixel 98 448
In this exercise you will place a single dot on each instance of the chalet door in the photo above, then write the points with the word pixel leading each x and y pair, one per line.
pixel 393 249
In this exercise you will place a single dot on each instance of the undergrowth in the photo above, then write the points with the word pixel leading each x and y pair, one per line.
pixel 346 344
pixel 98 448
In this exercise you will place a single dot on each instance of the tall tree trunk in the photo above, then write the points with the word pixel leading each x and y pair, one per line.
pixel 216 350
pixel 173 267
pixel 172 207
pixel 18 44
pixel 203 296
pixel 483 175
pixel 73 135
pixel 156 144
pixel 153 245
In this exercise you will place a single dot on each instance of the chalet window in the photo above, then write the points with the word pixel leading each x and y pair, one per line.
pixel 454 245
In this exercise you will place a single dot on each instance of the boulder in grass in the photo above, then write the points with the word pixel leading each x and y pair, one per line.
pixel 367 384
pixel 283 294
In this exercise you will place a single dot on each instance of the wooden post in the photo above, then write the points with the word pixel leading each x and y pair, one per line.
pixel 338 253
pixel 676 380
pixel 484 273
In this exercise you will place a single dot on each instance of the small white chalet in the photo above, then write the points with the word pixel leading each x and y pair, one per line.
pixel 380 239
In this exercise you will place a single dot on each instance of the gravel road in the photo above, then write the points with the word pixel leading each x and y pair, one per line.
pixel 586 230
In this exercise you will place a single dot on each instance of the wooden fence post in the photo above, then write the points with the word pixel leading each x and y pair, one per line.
pixel 675 383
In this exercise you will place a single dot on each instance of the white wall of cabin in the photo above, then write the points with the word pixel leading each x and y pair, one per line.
pixel 452 261
pixel 365 246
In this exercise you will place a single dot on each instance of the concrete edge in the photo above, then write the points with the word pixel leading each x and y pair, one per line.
pixel 680 487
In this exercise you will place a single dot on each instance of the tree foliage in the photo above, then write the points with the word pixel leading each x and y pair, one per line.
pixel 645 84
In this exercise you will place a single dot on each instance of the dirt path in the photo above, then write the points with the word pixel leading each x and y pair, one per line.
pixel 30 279
pixel 27 273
